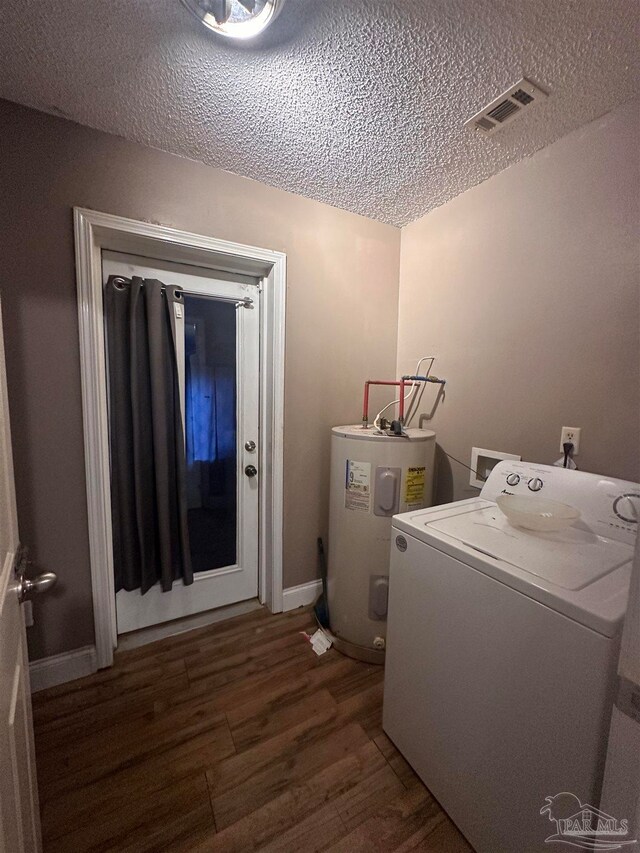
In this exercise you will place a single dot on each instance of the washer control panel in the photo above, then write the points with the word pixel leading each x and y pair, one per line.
pixel 626 507
pixel 608 506
pixel 534 484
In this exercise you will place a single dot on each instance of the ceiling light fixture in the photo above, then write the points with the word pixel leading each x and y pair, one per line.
pixel 239 19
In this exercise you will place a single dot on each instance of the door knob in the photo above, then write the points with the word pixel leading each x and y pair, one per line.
pixel 251 470
pixel 27 588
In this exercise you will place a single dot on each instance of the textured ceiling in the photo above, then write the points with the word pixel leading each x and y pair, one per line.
pixel 357 103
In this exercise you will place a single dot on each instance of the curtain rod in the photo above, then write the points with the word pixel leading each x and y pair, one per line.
pixel 246 302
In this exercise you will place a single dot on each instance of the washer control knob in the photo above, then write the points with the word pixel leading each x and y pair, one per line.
pixel 513 479
pixel 535 484
pixel 627 507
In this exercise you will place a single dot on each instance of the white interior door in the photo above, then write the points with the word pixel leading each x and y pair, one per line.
pixel 218 357
pixel 621 787
pixel 19 815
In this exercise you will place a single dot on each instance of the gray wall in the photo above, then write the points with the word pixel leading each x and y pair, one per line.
pixel 341 328
pixel 527 288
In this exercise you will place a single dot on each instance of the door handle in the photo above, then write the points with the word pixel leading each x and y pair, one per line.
pixel 27 588
pixel 251 470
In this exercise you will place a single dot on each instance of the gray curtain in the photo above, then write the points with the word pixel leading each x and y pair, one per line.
pixel 148 478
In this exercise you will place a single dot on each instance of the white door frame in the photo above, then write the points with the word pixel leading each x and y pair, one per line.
pixel 95 232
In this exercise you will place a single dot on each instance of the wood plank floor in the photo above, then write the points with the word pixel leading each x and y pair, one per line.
pixel 232 737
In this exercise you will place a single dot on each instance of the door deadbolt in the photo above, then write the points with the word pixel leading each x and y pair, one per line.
pixel 250 446
pixel 251 470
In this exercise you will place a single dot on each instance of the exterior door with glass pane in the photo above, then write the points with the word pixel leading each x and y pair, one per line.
pixel 218 360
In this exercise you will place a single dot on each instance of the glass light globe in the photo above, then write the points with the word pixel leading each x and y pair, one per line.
pixel 239 19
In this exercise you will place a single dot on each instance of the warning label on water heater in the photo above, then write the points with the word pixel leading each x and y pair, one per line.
pixel 414 487
pixel 357 493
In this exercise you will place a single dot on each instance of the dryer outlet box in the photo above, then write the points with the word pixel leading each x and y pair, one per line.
pixel 483 462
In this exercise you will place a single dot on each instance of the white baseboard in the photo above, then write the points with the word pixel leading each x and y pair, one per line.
pixel 301 595
pixel 59 669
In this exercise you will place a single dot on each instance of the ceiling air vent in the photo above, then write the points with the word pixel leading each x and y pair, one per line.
pixel 512 103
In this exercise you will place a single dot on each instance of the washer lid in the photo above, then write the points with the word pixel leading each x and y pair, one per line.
pixel 571 558
pixel 576 572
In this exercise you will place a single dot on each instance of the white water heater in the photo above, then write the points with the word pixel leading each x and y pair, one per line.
pixel 373 477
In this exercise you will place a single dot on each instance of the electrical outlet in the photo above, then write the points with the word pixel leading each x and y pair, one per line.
pixel 571 434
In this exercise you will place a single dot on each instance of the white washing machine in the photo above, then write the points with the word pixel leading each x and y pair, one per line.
pixel 502 650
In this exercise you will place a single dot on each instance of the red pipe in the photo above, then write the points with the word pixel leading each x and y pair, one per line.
pixel 365 403
pixel 406 380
